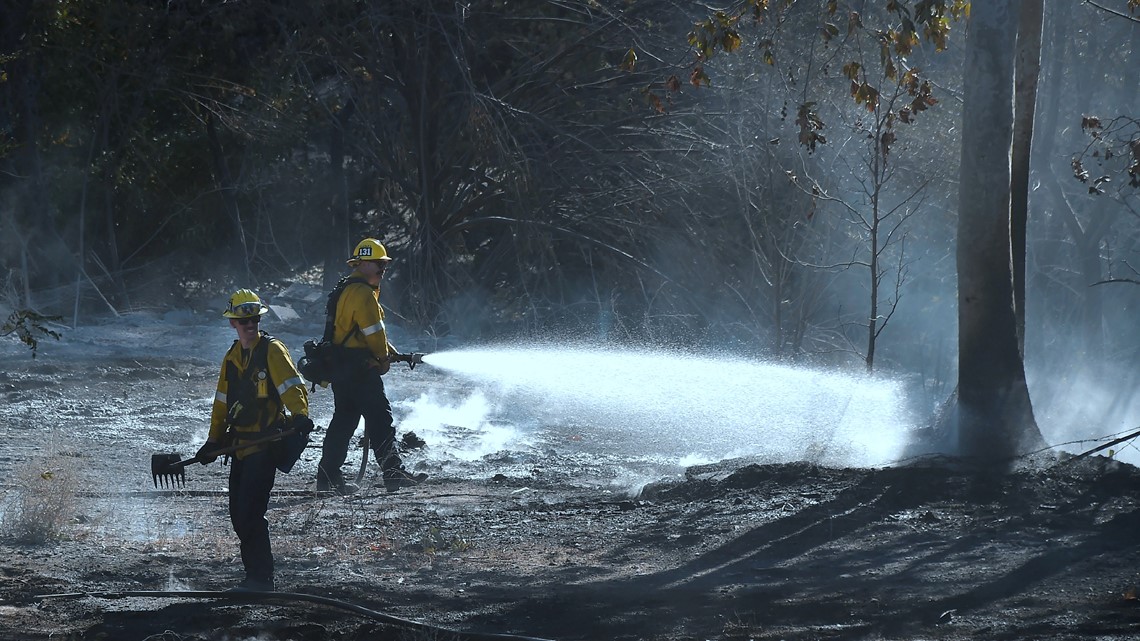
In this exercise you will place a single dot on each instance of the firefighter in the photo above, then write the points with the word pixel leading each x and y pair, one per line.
pixel 365 355
pixel 258 382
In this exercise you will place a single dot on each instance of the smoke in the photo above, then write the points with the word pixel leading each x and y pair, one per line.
pixel 1079 408
pixel 174 584
pixel 463 427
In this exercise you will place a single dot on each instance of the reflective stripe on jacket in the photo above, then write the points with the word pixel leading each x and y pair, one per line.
pixel 290 391
pixel 359 322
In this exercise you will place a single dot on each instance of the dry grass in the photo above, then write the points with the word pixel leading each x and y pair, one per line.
pixel 42 502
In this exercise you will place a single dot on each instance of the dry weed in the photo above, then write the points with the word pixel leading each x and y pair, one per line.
pixel 43 501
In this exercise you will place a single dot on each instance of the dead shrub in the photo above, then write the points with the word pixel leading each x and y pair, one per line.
pixel 43 500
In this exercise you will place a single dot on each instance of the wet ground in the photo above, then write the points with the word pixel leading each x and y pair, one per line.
pixel 546 541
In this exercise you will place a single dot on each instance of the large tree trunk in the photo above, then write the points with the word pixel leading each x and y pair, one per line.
pixel 995 417
pixel 1027 71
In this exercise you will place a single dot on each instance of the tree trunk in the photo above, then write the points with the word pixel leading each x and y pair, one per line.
pixel 338 245
pixel 1027 71
pixel 995 417
pixel 228 193
pixel 21 172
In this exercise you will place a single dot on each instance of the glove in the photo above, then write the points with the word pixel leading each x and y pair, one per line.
pixel 204 452
pixel 381 365
pixel 303 424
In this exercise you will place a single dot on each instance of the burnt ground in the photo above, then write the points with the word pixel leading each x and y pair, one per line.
pixel 737 550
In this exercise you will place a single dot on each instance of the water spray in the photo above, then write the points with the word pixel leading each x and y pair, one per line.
pixel 686 407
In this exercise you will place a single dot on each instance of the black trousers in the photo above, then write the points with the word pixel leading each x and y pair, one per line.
pixel 362 395
pixel 251 481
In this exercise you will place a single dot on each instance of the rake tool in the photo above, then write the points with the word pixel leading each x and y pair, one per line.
pixel 170 469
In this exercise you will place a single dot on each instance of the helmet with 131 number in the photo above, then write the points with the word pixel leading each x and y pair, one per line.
pixel 368 249
pixel 244 304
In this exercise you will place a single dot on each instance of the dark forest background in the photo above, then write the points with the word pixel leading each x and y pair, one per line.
pixel 579 167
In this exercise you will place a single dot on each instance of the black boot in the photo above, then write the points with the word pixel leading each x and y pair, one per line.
pixel 395 476
pixel 334 482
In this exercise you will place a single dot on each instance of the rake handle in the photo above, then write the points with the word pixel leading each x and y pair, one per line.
pixel 229 449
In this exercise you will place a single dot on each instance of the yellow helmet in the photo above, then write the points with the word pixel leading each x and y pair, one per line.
pixel 244 304
pixel 368 249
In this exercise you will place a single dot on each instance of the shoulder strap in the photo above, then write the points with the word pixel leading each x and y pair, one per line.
pixel 330 306
pixel 232 375
pixel 260 356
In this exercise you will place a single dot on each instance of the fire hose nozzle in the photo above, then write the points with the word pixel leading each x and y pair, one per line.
pixel 412 359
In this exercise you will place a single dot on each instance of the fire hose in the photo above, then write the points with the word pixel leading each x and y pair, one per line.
pixel 375 615
pixel 412 359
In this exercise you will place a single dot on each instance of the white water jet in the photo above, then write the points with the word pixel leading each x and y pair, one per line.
pixel 687 408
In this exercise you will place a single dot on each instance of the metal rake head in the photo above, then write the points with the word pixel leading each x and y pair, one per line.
pixel 164 468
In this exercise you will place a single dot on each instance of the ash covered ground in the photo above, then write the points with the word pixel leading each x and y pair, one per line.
pixel 556 533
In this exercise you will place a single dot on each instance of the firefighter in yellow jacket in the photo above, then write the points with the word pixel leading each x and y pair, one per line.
pixel 358 389
pixel 258 382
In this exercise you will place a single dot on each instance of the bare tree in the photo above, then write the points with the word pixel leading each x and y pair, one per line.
pixel 995 415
